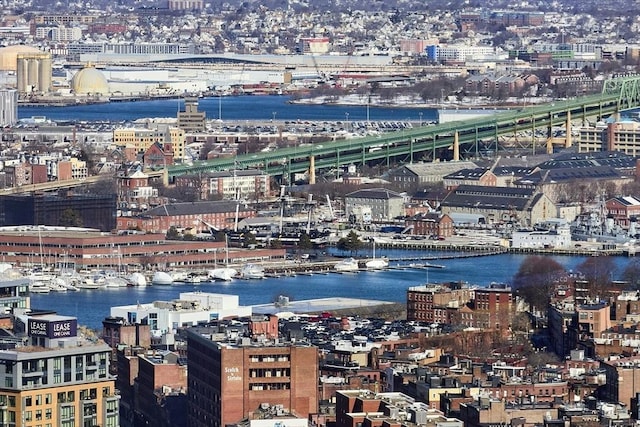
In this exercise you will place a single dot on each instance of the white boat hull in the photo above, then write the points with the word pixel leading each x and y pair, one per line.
pixel 161 278
pixel 252 271
pixel 377 264
pixel 347 265
pixel 225 274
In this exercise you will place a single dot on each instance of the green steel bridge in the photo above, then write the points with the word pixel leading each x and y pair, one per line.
pixel 464 138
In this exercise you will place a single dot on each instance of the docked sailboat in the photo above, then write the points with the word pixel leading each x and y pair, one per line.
pixel 376 263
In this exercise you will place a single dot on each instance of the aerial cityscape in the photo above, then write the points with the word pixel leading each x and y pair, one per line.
pixel 319 214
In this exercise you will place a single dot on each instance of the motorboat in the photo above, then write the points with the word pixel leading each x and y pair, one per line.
pixel 348 265
pixel 96 281
pixel 39 287
pixel 377 264
pixel 225 274
pixel 193 279
pixel 252 271
pixel 137 279
pixel 161 278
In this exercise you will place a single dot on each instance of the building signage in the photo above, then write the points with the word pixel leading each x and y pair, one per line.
pixel 53 328
pixel 233 374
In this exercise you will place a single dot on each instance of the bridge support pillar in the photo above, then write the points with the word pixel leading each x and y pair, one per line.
pixel 165 177
pixel 312 170
pixel 568 142
pixel 456 146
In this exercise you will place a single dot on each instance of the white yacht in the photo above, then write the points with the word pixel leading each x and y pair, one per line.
pixel 137 279
pixel 348 265
pixel 252 271
pixel 377 264
pixel 39 287
pixel 225 274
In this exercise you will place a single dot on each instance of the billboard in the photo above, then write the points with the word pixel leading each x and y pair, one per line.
pixel 53 328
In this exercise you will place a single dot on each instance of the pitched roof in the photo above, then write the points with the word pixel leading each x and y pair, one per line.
pixel 374 193
pixel 614 159
pixel 435 168
pixel 468 174
pixel 195 208
pixel 485 197
pixel 568 174
pixel 628 200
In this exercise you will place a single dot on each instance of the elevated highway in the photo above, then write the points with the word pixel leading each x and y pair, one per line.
pixel 464 138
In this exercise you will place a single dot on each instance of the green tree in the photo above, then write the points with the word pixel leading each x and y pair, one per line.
pixel 70 218
pixel 351 243
pixel 173 234
pixel 275 244
pixel 249 239
pixel 304 242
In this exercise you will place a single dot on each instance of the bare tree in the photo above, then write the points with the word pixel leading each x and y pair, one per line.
pixel 536 279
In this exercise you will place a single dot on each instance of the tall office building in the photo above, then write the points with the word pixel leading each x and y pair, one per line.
pixel 34 72
pixel 8 107
pixel 50 376
pixel 230 379
pixel 192 120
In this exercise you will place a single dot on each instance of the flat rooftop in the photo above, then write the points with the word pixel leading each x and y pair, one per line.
pixel 317 305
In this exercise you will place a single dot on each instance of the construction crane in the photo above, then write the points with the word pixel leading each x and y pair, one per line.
pixel 310 205
pixel 331 213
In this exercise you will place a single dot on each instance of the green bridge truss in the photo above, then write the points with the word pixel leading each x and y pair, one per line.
pixel 467 137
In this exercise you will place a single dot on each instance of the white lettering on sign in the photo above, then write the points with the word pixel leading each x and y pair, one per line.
pixel 61 329
pixel 233 374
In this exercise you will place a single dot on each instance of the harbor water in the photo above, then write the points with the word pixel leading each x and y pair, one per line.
pixel 92 306
pixel 250 108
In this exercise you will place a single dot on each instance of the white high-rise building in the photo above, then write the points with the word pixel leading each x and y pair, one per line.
pixel 8 107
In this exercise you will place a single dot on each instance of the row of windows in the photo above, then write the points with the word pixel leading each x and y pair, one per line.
pixel 37 415
pixel 268 373
pixel 268 386
pixel 270 358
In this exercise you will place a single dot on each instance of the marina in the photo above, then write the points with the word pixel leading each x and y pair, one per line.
pixel 91 306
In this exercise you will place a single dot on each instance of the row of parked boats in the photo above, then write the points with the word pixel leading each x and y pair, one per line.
pixel 221 274
pixel 64 281
pixel 45 282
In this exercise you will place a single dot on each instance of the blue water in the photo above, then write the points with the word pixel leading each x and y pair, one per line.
pixel 92 306
pixel 229 108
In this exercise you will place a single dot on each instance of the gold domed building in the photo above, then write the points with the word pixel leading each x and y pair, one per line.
pixel 89 80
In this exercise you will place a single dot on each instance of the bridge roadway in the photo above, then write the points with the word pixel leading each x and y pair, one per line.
pixel 411 145
pixel 69 183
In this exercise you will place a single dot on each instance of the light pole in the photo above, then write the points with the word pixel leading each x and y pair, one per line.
pixel 346 117
pixel 420 115
pixel 274 116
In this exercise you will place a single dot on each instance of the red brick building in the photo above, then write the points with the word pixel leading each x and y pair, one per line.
pixel 196 215
pixel 497 304
pixel 162 376
pixel 228 380
pixel 622 209
pixel 431 224
pixel 436 303
pixel 92 249
pixel 490 307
